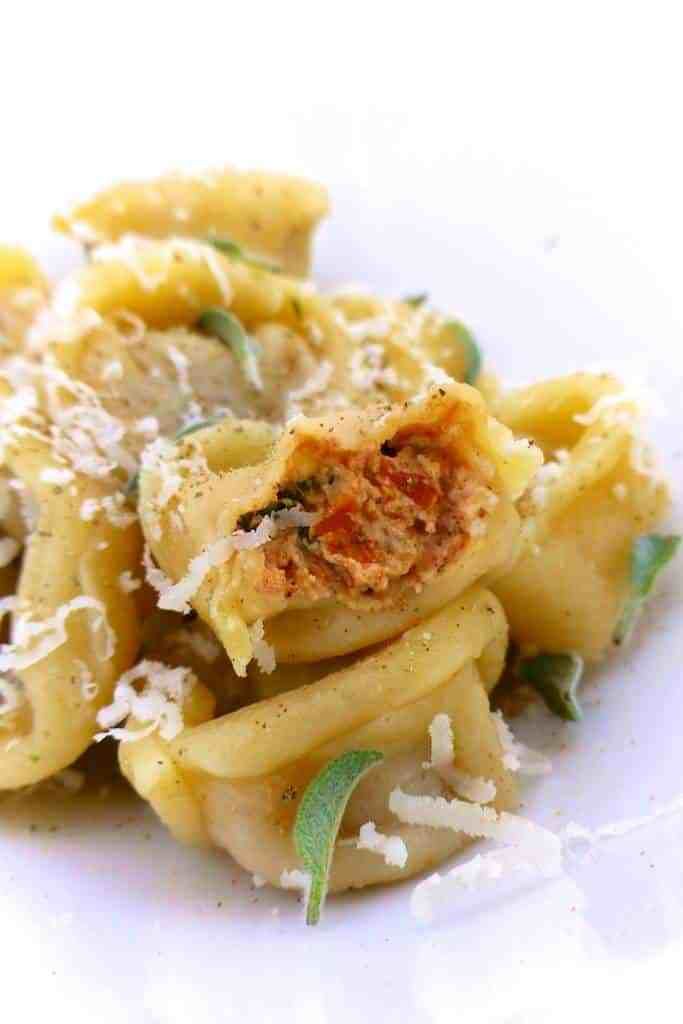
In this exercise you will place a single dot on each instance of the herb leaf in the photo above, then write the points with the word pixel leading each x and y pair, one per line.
pixel 210 421
pixel 319 817
pixel 556 678
pixel 232 249
pixel 227 328
pixel 473 358
pixel 649 555
pixel 416 300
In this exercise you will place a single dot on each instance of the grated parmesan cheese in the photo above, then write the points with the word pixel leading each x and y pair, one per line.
pixel 56 475
pixel 148 427
pixel 34 641
pixel 114 508
pixel 128 583
pixel 368 368
pixel 176 597
pixel 159 704
pixel 263 652
pixel 10 695
pixel 392 848
pixel 315 385
pixel 517 757
pixel 296 879
pixel 479 791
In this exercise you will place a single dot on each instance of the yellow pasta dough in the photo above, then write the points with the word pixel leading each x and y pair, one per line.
pixel 588 504
pixel 272 215
pixel 385 702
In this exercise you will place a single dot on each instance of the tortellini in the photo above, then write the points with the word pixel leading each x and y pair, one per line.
pixel 247 770
pixel 272 215
pixel 73 629
pixel 363 509
pixel 593 497
pixel 248 528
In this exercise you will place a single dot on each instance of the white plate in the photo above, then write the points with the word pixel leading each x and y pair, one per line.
pixel 486 181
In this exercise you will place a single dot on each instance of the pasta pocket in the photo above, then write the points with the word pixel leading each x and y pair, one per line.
pixel 273 215
pixel 247 770
pixel 366 509
pixel 74 629
pixel 585 508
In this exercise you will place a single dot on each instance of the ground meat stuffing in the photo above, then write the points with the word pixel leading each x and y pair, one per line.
pixel 399 513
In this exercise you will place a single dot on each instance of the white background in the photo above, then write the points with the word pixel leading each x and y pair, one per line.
pixel 523 162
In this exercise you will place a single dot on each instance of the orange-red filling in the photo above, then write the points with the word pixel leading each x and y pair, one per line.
pixel 400 513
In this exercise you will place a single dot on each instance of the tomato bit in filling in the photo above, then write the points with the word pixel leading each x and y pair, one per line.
pixel 398 513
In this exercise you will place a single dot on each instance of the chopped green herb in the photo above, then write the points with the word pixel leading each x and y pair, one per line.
pixel 236 252
pixel 319 817
pixel 472 351
pixel 229 331
pixel 649 555
pixel 416 300
pixel 191 428
pixel 35 758
pixel 556 677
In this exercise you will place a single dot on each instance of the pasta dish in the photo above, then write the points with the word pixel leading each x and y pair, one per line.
pixel 296 553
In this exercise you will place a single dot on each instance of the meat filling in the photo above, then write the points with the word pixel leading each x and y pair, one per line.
pixel 399 513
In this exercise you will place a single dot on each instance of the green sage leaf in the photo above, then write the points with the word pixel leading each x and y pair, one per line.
pixel 319 817
pixel 236 252
pixel 473 357
pixel 227 328
pixel 649 555
pixel 556 678
pixel 416 300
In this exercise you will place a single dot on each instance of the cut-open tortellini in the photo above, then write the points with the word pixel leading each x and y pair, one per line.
pixel 367 510
pixel 595 494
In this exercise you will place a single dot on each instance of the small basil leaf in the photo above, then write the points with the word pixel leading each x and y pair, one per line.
pixel 191 428
pixel 319 817
pixel 236 252
pixel 228 330
pixel 473 359
pixel 416 300
pixel 649 555
pixel 556 678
